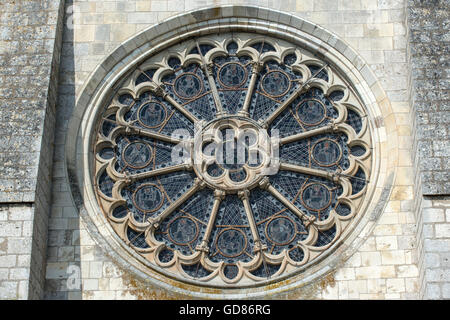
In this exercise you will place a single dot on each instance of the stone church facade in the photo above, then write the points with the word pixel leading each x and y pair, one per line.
pixel 55 56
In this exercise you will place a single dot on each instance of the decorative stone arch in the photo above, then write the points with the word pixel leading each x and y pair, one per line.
pixel 327 46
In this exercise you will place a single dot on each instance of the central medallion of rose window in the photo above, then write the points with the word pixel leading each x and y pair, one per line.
pixel 232 153
pixel 232 160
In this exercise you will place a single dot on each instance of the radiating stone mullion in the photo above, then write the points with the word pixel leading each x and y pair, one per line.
pixel 219 195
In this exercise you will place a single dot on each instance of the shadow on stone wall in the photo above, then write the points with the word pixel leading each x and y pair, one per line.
pixel 63 274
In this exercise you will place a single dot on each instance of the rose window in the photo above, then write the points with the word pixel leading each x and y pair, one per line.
pixel 232 159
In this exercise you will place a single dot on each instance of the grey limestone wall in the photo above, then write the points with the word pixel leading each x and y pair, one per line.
pixel 428 54
pixel 30 36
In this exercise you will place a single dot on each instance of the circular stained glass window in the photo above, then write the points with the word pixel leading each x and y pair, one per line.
pixel 275 83
pixel 152 114
pixel 311 112
pixel 137 154
pixel 232 75
pixel 232 162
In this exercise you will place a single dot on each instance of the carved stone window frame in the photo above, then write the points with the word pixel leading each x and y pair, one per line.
pixel 328 47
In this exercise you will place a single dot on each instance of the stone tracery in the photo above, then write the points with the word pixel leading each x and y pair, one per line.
pixel 222 222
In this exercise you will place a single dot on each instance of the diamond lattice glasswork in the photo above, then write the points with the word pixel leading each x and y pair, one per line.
pixel 232 159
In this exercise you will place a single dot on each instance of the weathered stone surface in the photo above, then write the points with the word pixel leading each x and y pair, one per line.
pixel 30 34
pixel 429 56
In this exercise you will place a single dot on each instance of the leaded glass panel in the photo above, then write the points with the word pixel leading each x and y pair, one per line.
pixel 232 159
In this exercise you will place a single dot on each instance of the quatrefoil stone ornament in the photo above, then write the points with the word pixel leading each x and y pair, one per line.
pixel 232 153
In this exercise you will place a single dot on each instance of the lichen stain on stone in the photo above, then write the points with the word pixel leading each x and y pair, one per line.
pixel 3 246
pixel 147 292
pixel 150 292
pixel 328 281
pixel 190 288
pixel 277 285
pixel 310 291
pixel 87 295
